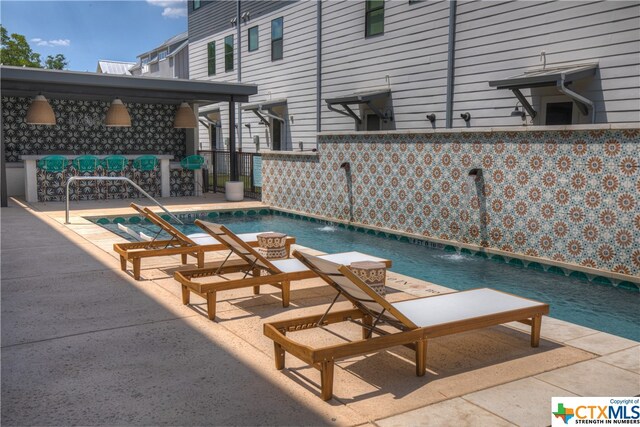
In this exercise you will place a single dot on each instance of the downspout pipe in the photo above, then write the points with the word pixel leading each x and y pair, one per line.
pixel 450 62
pixel 318 69
pixel 239 44
pixel 584 104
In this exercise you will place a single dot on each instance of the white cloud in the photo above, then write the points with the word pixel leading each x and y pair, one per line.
pixel 51 43
pixel 171 8
pixel 174 12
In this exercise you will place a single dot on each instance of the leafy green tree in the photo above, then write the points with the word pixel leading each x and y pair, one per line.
pixel 58 62
pixel 15 50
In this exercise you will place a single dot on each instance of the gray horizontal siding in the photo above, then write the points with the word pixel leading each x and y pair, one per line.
pixel 412 52
pixel 214 16
pixel 293 77
pixel 493 40
pixel 508 38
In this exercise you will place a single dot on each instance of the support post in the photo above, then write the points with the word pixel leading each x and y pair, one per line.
pixel 3 173
pixel 233 166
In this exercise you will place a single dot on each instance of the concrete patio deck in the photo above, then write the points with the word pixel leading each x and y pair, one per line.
pixel 84 343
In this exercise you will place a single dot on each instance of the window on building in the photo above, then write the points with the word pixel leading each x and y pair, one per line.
pixel 559 113
pixel 196 4
pixel 228 53
pixel 144 61
pixel 253 39
pixel 277 39
pixel 162 54
pixel 374 17
pixel 211 58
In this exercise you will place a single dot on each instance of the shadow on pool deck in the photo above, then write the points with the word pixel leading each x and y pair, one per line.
pixel 83 343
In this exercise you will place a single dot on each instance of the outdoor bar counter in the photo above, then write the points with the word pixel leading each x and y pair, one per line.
pixel 31 171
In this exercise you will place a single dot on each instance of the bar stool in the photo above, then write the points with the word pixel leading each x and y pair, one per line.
pixel 85 164
pixel 118 165
pixel 146 163
pixel 192 163
pixel 52 164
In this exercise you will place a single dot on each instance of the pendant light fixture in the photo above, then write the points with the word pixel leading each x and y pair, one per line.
pixel 185 117
pixel 40 112
pixel 117 115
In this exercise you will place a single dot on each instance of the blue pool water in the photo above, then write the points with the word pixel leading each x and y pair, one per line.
pixel 596 306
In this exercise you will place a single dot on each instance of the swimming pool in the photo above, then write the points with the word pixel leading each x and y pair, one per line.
pixel 605 308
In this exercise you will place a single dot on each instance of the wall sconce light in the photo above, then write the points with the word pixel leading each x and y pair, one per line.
pixel 245 16
pixel 233 21
pixel 301 145
pixel 40 112
pixel 185 118
pixel 431 117
pixel 117 115
pixel 291 119
pixel 517 113
pixel 466 117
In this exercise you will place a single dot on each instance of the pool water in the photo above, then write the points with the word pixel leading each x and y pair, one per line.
pixel 601 307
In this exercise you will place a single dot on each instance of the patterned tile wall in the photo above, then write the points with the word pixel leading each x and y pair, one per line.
pixel 570 196
pixel 51 186
pixel 81 129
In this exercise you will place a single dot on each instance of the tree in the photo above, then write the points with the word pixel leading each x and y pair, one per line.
pixel 15 50
pixel 58 62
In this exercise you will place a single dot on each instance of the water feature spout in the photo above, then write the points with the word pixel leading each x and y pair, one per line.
pixel 347 170
pixel 476 196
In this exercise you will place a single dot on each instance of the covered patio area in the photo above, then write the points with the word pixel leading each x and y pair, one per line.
pixel 154 129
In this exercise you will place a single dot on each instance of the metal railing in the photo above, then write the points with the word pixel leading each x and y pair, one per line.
pixel 218 170
pixel 111 178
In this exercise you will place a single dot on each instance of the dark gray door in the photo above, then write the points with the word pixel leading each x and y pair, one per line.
pixel 277 135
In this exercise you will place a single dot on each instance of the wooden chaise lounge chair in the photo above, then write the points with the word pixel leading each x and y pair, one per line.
pixel 257 270
pixel 195 245
pixel 415 320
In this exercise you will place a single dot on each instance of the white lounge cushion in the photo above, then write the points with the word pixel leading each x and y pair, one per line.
pixel 345 258
pixel 205 239
pixel 424 312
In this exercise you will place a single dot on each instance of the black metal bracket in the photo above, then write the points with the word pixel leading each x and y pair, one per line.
pixel 525 103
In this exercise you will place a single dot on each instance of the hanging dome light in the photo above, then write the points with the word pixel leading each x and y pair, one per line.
pixel 185 118
pixel 40 112
pixel 117 115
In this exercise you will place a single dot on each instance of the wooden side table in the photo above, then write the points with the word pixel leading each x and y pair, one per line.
pixel 372 273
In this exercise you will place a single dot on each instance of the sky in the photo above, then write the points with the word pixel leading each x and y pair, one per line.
pixel 87 31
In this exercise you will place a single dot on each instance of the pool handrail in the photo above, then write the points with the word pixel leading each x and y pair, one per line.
pixel 112 178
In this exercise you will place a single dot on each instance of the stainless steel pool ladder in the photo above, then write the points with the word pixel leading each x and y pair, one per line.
pixel 111 178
